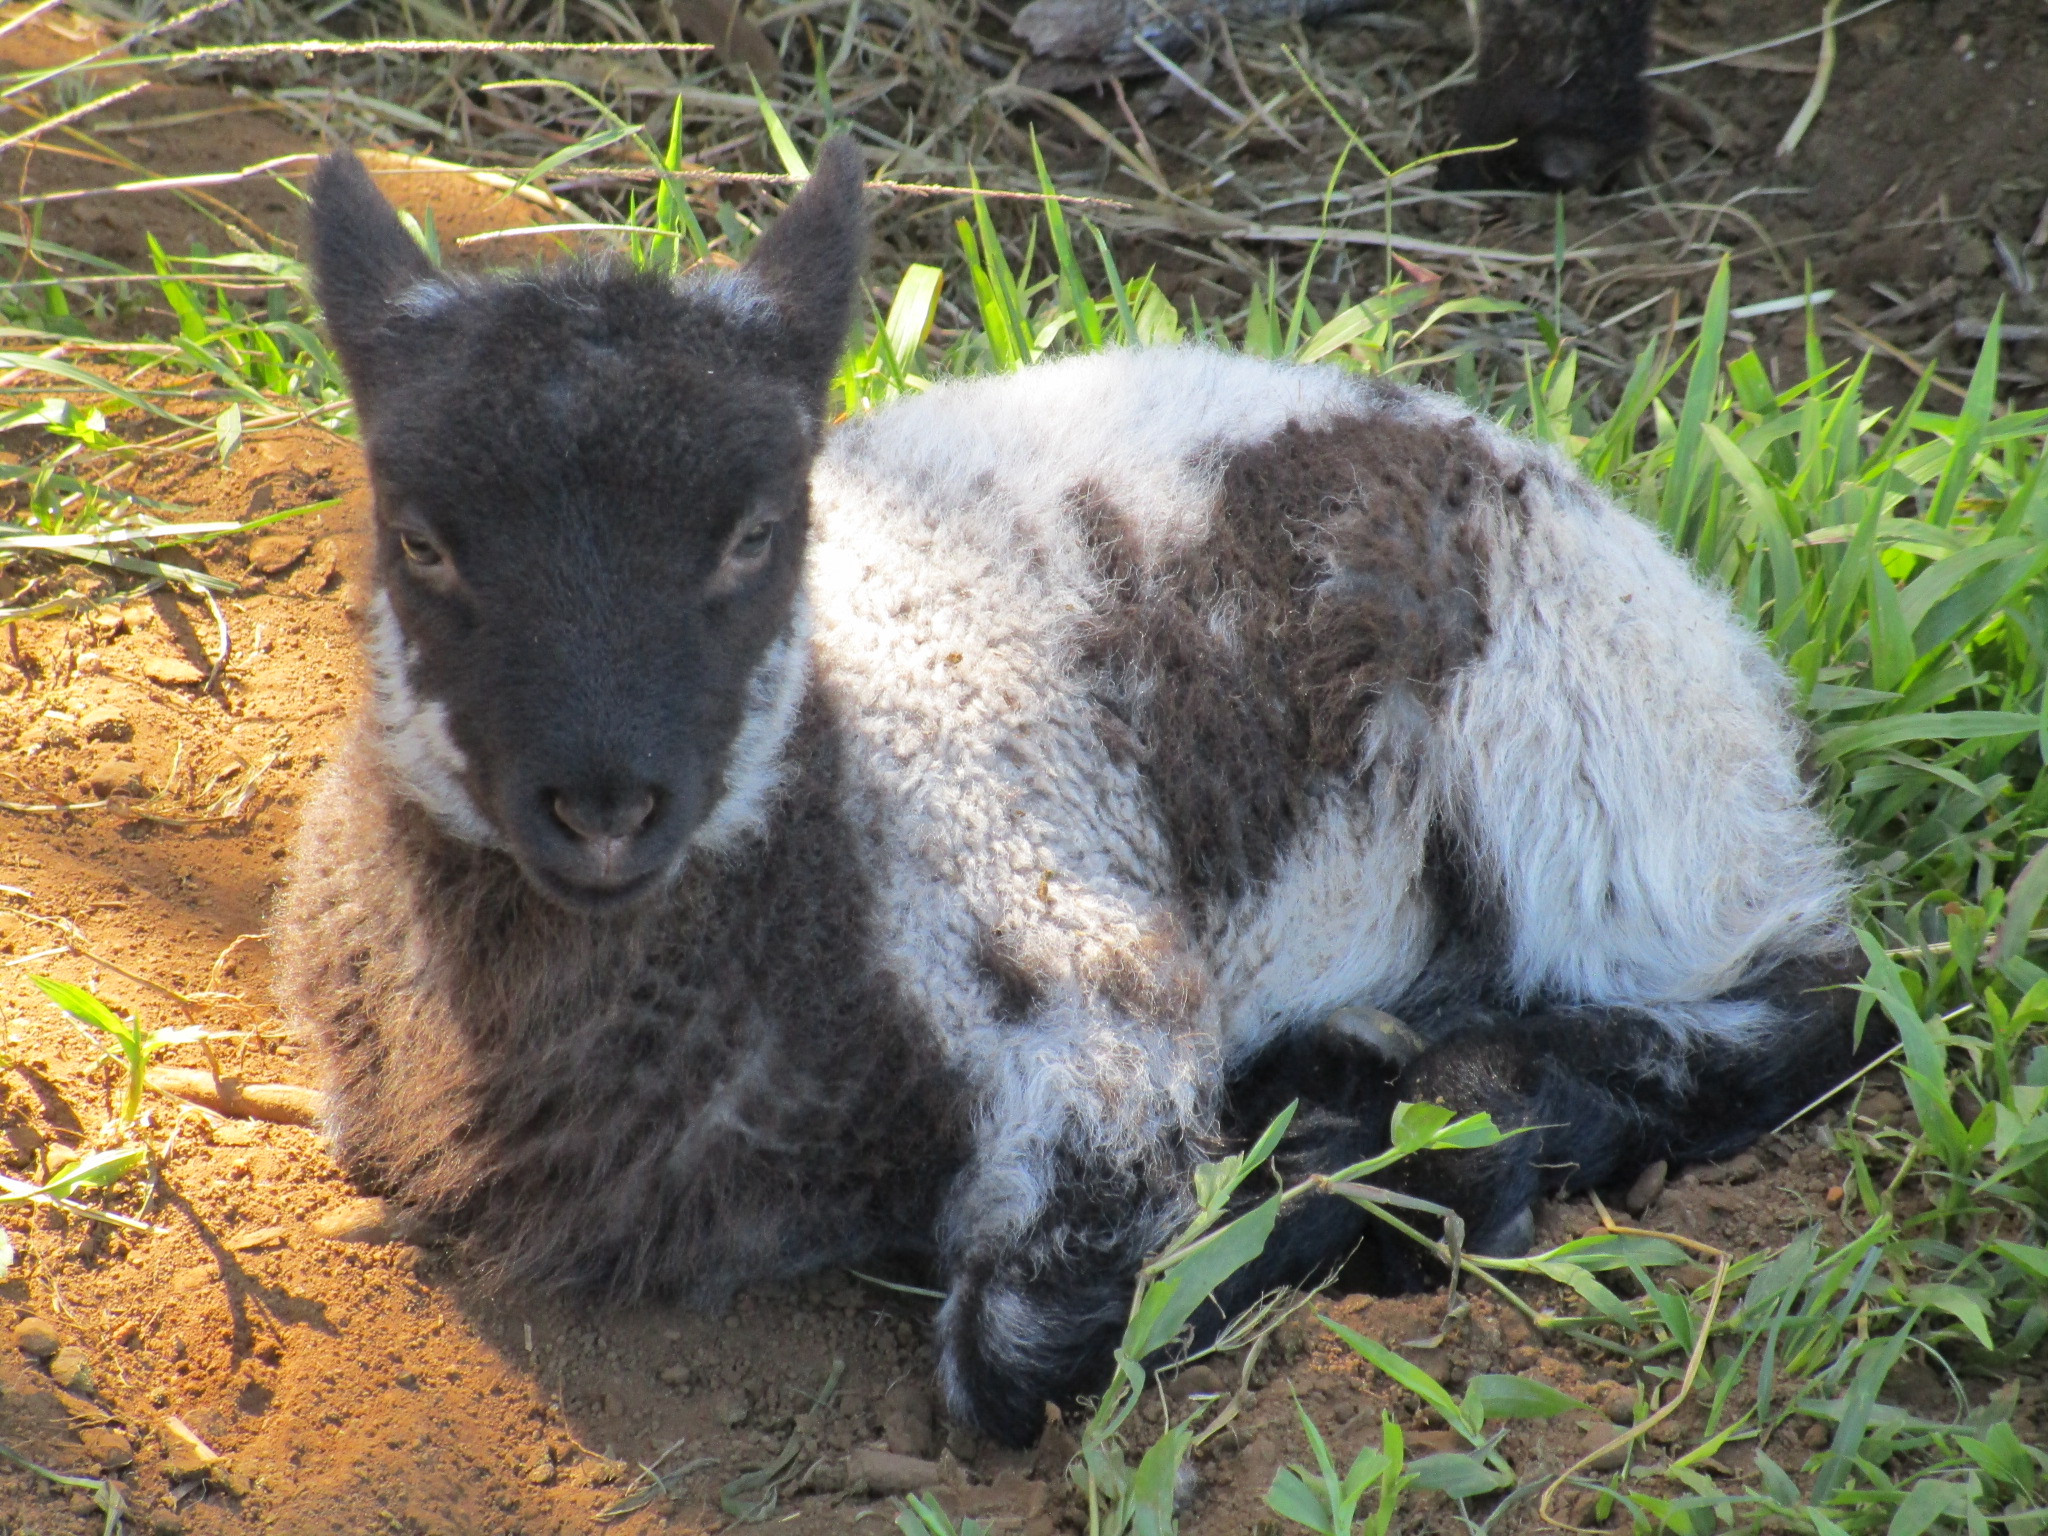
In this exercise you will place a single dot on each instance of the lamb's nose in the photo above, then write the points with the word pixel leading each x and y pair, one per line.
pixel 604 814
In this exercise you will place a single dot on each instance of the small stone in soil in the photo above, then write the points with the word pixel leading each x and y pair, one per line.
pixel 1648 1186
pixel 276 552
pixel 1739 1169
pixel 356 1221
pixel 108 1447
pixel 105 722
pixel 172 672
pixel 1619 1403
pixel 34 1336
pixel 71 1369
pixel 884 1472
pixel 907 1419
pixel 1596 1437
pixel 730 1410
pixel 185 1454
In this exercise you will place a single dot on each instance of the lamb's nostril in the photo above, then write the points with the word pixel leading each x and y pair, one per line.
pixel 603 814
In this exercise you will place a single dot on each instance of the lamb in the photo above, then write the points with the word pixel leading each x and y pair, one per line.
pixel 765 848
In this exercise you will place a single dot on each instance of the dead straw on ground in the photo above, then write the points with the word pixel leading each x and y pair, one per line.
pixel 1283 155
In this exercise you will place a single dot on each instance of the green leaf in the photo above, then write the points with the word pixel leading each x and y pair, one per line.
pixel 1515 1397
pixel 1949 725
pixel 1152 1487
pixel 1965 1306
pixel 84 1007
pixel 2028 1257
pixel 1407 1374
pixel 912 311
pixel 95 1171
pixel 752 1496
pixel 2003 1455
pixel 1925 1502
pixel 1172 1299
pixel 1598 1296
pixel 1618 1250
pixel 1459 1475
pixel 1778 1485
pixel 1293 1497
pixel 1878 1359
pixel 778 135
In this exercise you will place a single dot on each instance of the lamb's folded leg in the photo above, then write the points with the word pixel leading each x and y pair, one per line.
pixel 1601 1092
pixel 1084 1150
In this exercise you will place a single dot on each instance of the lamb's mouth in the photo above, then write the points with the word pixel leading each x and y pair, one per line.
pixel 594 896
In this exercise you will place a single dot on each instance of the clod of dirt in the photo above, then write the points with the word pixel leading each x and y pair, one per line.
pixel 1648 1186
pixel 172 672
pixel 36 1337
pixel 731 1409
pixel 907 1415
pixel 1433 1363
pixel 885 1472
pixel 357 1221
pixel 185 1454
pixel 1595 1437
pixel 277 552
pixel 109 1448
pixel 1619 1403
pixel 598 1472
pixel 1195 1381
pixel 71 1369
pixel 1743 1168
pixel 106 722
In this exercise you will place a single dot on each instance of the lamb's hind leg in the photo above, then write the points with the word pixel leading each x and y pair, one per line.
pixel 1601 1092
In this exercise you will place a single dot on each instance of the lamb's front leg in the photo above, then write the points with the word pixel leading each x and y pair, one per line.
pixel 1092 1119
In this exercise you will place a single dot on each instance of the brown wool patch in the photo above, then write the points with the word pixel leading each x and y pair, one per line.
pixel 1015 990
pixel 1345 563
pixel 707 1091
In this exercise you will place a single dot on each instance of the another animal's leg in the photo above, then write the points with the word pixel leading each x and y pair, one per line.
pixel 1563 80
pixel 1598 1093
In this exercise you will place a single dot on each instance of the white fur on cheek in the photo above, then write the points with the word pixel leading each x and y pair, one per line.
pixel 755 770
pixel 416 743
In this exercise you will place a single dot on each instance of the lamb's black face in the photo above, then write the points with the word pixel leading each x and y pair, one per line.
pixel 592 502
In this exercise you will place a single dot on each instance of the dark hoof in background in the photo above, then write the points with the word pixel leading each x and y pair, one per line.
pixel 1564 83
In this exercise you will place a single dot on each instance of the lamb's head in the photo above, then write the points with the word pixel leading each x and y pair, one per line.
pixel 591 506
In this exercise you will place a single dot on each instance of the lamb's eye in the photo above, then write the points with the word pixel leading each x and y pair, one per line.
pixel 419 550
pixel 752 547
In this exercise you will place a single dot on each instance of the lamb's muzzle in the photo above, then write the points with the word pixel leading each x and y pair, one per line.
pixel 763 851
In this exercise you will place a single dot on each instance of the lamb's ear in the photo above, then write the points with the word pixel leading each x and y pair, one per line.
pixel 808 262
pixel 362 258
